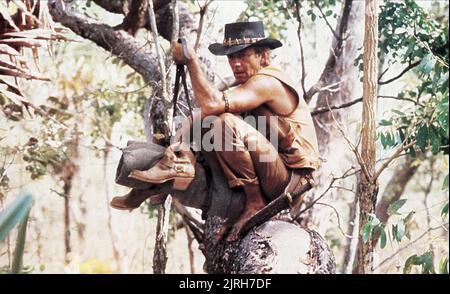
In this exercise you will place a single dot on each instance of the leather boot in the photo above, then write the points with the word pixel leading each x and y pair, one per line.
pixel 177 164
pixel 136 197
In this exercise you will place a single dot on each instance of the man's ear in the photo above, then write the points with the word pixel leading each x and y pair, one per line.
pixel 265 58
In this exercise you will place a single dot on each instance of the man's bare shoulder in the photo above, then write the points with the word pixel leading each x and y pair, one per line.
pixel 264 83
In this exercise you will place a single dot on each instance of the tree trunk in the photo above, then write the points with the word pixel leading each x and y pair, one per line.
pixel 352 238
pixel 160 252
pixel 367 188
pixel 276 247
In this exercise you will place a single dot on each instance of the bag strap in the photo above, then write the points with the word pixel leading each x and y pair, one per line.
pixel 181 77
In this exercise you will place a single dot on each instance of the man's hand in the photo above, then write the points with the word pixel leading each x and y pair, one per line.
pixel 179 55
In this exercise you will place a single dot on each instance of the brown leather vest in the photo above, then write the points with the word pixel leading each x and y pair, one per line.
pixel 297 140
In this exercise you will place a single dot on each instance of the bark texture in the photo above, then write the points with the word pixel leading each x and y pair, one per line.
pixel 276 247
pixel 367 187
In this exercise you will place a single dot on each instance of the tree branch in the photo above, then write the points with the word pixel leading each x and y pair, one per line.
pixel 203 11
pixel 350 144
pixel 410 66
pixel 324 109
pixel 118 43
pixel 336 51
pixel 345 175
pixel 299 35
pixel 162 65
pixel 409 244
pixel 326 20
pixel 390 159
pixel 344 105
pixel 338 218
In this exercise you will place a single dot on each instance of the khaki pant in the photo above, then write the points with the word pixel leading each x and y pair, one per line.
pixel 245 155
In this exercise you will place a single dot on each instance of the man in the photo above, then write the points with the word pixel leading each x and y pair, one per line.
pixel 260 91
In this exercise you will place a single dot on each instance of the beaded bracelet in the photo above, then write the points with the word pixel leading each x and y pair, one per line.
pixel 225 98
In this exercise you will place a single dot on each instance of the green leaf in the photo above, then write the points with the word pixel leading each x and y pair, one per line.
pixel 427 63
pixel 383 140
pixel 20 246
pixel 385 122
pixel 444 211
pixel 374 221
pixel 389 139
pixel 394 207
pixel 422 137
pixel 398 112
pixel 443 79
pixel 400 230
pixel 445 185
pixel 383 238
pixel 394 231
pixel 443 266
pixel 14 213
pixel 427 263
pixel 412 260
pixel 409 217
pixel 328 13
pixel 412 152
pixel 443 121
pixel 435 140
pixel 365 231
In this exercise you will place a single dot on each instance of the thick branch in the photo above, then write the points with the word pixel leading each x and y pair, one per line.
pixel 336 51
pixel 118 43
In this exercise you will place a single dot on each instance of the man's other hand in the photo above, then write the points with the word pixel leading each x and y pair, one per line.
pixel 179 55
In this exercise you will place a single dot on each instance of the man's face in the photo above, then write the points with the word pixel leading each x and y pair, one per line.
pixel 245 64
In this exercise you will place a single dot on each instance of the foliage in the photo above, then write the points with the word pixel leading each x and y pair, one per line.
pixel 425 261
pixel 373 228
pixel 22 26
pixel 283 12
pixel 398 231
pixel 409 36
pixel 16 213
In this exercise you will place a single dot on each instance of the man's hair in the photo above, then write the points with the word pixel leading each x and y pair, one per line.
pixel 260 49
pixel 263 50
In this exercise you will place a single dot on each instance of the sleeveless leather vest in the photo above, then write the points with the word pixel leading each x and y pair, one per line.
pixel 297 140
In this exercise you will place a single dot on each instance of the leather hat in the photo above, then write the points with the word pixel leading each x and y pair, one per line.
pixel 241 35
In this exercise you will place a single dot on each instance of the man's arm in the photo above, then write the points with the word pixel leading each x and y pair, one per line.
pixel 255 92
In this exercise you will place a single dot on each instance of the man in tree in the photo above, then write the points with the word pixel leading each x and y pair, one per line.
pixel 261 169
